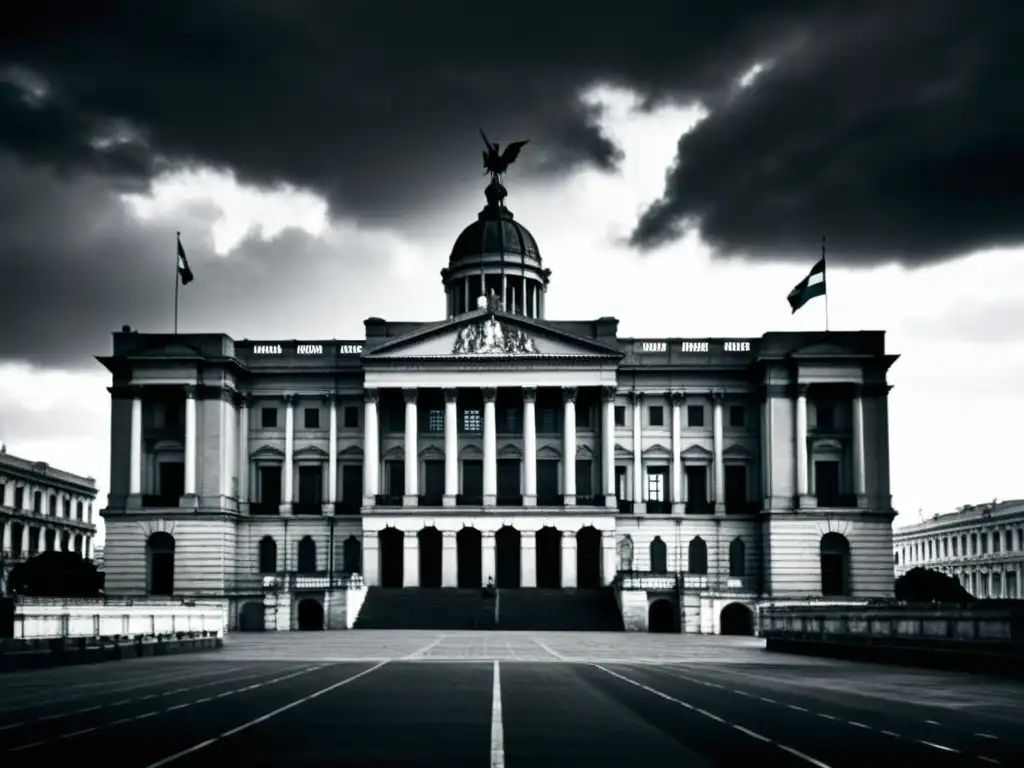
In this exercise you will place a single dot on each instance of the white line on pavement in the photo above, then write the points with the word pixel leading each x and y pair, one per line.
pixel 497 729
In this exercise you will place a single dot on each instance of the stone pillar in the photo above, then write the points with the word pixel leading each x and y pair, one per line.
pixel 371 449
pixel 288 469
pixel 465 294
pixel 527 559
pixel 24 540
pixel 57 543
pixel 609 566
pixel 332 454
pixel 243 449
pixel 135 459
pixel 410 560
pixel 504 291
pixel 719 459
pixel 490 448
pixel 449 560
pixel 569 446
pixel 800 433
pixel 190 441
pixel 678 499
pixel 371 559
pixel 638 459
pixel 451 447
pixel 529 447
pixel 488 563
pixel 608 446
pixel 568 559
pixel 412 454
pixel 8 545
pixel 859 484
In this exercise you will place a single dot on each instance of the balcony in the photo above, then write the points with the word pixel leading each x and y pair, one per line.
pixel 160 500
pixel 659 507
pixel 840 500
pixel 308 508
pixel 594 500
pixel 316 581
pixel 264 508
pixel 700 508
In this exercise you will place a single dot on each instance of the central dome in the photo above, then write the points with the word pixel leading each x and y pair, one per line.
pixel 494 233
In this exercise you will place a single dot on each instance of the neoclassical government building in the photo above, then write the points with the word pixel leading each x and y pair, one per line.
pixel 496 442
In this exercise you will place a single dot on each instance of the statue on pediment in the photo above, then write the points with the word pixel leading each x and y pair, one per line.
pixel 494 302
pixel 492 337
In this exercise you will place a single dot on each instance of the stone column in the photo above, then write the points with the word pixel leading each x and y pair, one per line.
pixel 569 446
pixel 332 454
pixel 8 545
pixel 243 449
pixel 859 484
pixel 638 459
pixel 190 441
pixel 135 457
pixel 288 469
pixel 719 459
pixel 490 448
pixel 451 447
pixel 412 454
pixel 488 563
pixel 371 559
pixel 678 500
pixel 527 559
pixel 609 566
pixel 410 560
pixel 529 447
pixel 449 560
pixel 24 540
pixel 568 559
pixel 465 294
pixel 57 543
pixel 371 449
pixel 608 446
pixel 800 432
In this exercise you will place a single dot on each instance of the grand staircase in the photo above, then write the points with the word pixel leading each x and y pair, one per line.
pixel 565 610
pixel 418 608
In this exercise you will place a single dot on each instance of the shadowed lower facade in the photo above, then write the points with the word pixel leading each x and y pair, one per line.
pixel 549 455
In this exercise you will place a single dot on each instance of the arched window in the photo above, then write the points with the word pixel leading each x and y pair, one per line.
pixel 353 553
pixel 268 555
pixel 307 555
pixel 160 562
pixel 737 559
pixel 835 565
pixel 659 556
pixel 698 556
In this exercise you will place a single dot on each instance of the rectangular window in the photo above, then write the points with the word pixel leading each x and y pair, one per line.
pixel 583 417
pixel 268 418
pixel 53 506
pixel 984 543
pixel 945 547
pixel 511 423
pixel 172 416
pixel 954 547
pixel 695 415
pixel 737 416
pixel 351 417
pixel 1009 541
pixel 974 543
pixel 80 510
pixel 620 415
pixel 311 418
pixel 471 421
pixel 548 421
pixel 435 420
pixel 996 542
pixel 396 418
pixel 67 507
pixel 656 416
pixel 656 485
pixel 826 416
pixel 19 498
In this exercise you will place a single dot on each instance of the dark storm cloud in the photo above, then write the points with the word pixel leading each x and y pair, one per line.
pixel 894 129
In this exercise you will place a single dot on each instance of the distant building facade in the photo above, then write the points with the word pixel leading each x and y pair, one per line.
pixel 982 546
pixel 496 442
pixel 43 508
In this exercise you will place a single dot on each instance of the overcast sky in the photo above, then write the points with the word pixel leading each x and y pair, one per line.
pixel 320 158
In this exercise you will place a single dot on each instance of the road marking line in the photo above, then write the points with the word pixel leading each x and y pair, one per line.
pixel 891 733
pixel 497 729
pixel 425 649
pixel 9 726
pixel 765 698
pixel 798 709
pixel 989 760
pixel 544 647
pixel 827 717
pixel 938 746
pixel 859 725
pixel 681 703
pixel 263 718
pixel 986 735
pixel 931 722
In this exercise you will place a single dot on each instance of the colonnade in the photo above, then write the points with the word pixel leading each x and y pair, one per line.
pixel 857 430
pixel 84 546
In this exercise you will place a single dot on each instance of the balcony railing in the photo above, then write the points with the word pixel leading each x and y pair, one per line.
pixel 591 500
pixel 264 508
pixel 160 500
pixel 549 500
pixel 659 508
pixel 841 500
pixel 348 507
pixel 431 500
pixel 510 501
pixel 700 508
pixel 387 500
pixel 469 500
pixel 308 508
pixel 318 580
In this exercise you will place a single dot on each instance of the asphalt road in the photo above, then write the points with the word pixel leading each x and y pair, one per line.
pixel 437 700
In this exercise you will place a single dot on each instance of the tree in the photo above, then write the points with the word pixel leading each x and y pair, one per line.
pixel 55 574
pixel 923 585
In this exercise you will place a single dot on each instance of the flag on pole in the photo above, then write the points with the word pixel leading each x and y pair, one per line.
pixel 184 272
pixel 811 286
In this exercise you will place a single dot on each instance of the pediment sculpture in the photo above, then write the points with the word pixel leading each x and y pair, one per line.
pixel 492 337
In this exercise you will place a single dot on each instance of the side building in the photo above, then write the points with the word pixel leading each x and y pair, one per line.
pixel 981 545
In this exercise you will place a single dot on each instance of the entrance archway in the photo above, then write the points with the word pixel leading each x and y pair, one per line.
pixel 588 558
pixel 661 617
pixel 507 546
pixel 736 619
pixel 430 557
pixel 311 615
pixel 160 551
pixel 467 544
pixel 549 558
pixel 250 618
pixel 392 557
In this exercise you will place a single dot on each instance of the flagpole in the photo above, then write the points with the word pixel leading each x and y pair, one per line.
pixel 177 279
pixel 824 277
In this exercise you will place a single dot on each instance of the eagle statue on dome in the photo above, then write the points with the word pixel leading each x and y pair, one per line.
pixel 497 162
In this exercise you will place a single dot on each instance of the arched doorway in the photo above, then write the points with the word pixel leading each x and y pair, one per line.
pixel 736 619
pixel 659 556
pixel 588 558
pixel 661 617
pixel 507 546
pixel 268 555
pixel 698 556
pixel 467 544
pixel 307 555
pixel 392 556
pixel 549 558
pixel 311 615
pixel 160 557
pixel 352 551
pixel 737 558
pixel 250 618
pixel 835 565
pixel 430 557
